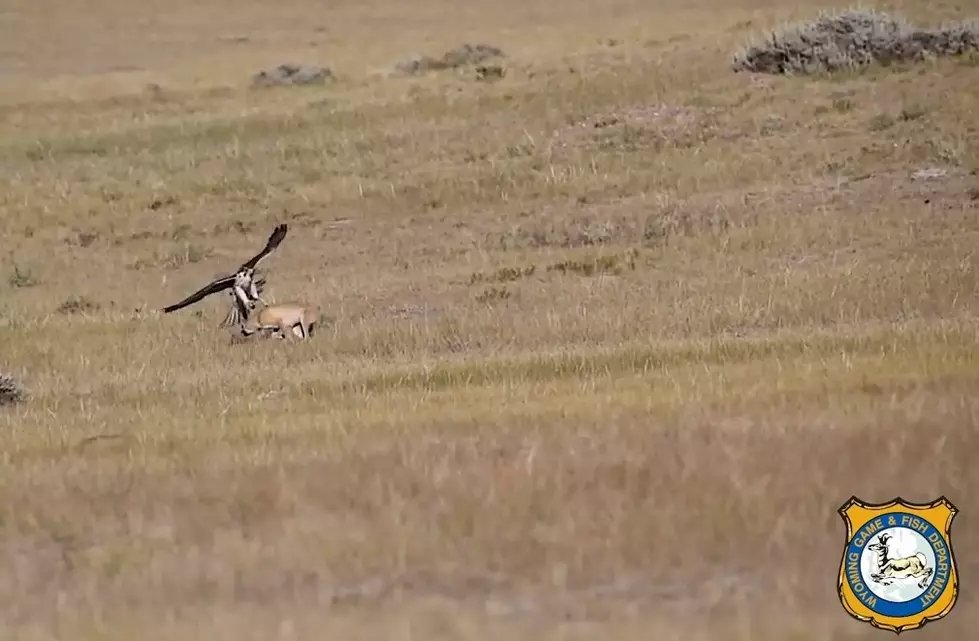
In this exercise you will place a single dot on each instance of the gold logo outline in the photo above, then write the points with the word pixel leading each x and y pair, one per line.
pixel 946 599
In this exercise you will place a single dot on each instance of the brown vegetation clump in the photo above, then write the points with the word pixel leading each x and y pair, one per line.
pixel 11 391
pixel 853 39
pixel 292 74
pixel 462 56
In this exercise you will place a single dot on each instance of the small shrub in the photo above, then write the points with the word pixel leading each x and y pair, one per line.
pixel 502 275
pixel 607 264
pixel 11 391
pixel 853 39
pixel 488 73
pixel 161 202
pixel 463 56
pixel 880 122
pixel 911 112
pixel 492 294
pixel 22 278
pixel 79 305
pixel 842 104
pixel 292 74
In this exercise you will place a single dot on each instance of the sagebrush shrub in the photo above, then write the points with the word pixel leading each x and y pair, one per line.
pixel 853 39
pixel 10 391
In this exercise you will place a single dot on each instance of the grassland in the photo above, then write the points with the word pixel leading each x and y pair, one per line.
pixel 610 338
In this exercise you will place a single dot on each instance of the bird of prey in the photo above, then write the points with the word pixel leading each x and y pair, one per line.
pixel 244 285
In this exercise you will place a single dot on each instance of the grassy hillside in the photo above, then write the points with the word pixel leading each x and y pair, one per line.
pixel 612 330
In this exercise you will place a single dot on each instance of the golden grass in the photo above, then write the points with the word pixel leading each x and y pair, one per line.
pixel 609 339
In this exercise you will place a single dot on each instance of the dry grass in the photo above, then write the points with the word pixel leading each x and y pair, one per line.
pixel 613 335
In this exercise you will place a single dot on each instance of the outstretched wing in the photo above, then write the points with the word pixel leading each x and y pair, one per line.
pixel 220 284
pixel 277 235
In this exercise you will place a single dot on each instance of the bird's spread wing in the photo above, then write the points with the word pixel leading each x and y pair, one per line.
pixel 213 287
pixel 277 235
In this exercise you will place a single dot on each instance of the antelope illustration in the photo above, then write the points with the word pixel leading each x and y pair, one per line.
pixel 245 287
pixel 889 570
